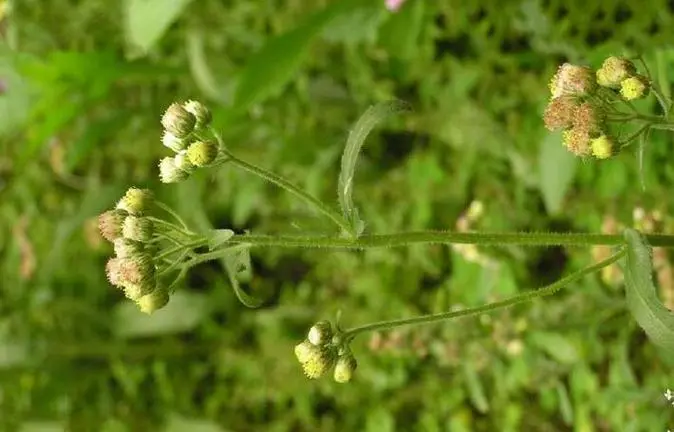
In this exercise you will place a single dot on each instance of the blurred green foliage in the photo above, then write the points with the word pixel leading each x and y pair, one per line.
pixel 83 86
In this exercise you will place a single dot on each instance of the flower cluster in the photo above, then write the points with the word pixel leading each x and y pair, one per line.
pixel 581 104
pixel 183 123
pixel 131 231
pixel 323 349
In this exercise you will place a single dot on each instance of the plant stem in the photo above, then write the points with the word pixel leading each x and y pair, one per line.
pixel 279 181
pixel 440 237
pixel 175 215
pixel 524 297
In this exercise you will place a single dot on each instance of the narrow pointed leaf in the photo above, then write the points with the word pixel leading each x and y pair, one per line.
pixel 642 299
pixel 374 115
pixel 218 237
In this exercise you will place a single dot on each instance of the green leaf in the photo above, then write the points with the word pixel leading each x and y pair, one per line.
pixel 476 392
pixel 556 169
pixel 148 20
pixel 239 269
pixel 219 237
pixel 642 299
pixel 375 114
pixel 201 72
pixel 400 34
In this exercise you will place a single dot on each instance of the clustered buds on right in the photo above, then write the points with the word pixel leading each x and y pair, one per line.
pixel 133 269
pixel 182 125
pixel 323 350
pixel 579 108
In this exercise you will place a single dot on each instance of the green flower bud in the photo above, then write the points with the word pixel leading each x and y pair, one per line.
pixel 182 162
pixel 635 87
pixel 345 367
pixel 127 248
pixel 602 147
pixel 169 172
pixel 572 80
pixel 173 142
pixel 110 224
pixel 319 362
pixel 156 300
pixel 321 333
pixel 201 153
pixel 138 228
pixel 199 110
pixel 178 121
pixel 136 201
pixel 614 70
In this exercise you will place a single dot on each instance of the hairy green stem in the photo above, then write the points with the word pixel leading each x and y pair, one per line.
pixel 524 297
pixel 439 237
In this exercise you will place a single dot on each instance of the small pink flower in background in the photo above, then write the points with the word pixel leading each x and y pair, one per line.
pixel 394 5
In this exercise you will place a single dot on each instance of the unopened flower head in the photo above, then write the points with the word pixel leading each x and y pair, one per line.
pixel 154 301
pixel 577 141
pixel 602 147
pixel 137 228
pixel 127 248
pixel 136 201
pixel 320 333
pixel 614 70
pixel 559 113
pixel 173 142
pixel 635 87
pixel 169 172
pixel 572 80
pixel 183 163
pixel 344 368
pixel 201 153
pixel 319 362
pixel 305 351
pixel 178 121
pixel 110 224
pixel 113 271
pixel 200 112
pixel 136 275
pixel 589 118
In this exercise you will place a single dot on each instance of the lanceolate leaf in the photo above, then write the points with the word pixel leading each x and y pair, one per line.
pixel 354 143
pixel 642 299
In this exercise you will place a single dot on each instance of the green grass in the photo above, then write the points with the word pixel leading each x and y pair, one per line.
pixel 80 123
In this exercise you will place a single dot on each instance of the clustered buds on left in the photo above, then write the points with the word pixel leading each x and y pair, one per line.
pixel 131 231
pixel 183 124
pixel 581 99
pixel 324 349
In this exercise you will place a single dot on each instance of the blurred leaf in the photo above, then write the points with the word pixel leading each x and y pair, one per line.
pixel 642 300
pixel 565 406
pixel 15 97
pixel 475 388
pixel 217 237
pixel 357 24
pixel 556 169
pixel 203 77
pixel 12 354
pixel 42 426
pixel 184 311
pixel 178 423
pixel 148 20
pixel 400 33
pixel 557 346
pixel 354 143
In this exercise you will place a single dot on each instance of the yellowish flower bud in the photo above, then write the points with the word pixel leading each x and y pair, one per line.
pixel 559 113
pixel 169 172
pixel 137 275
pixel 173 142
pixel 110 224
pixel 113 271
pixel 137 228
pixel 178 121
pixel 345 367
pixel 321 333
pixel 602 147
pixel 305 351
pixel 614 70
pixel 589 118
pixel 635 87
pixel 577 141
pixel 126 248
pixel 182 162
pixel 201 153
pixel 156 300
pixel 136 201
pixel 199 110
pixel 319 362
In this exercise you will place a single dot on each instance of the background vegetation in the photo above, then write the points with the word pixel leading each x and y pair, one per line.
pixel 83 86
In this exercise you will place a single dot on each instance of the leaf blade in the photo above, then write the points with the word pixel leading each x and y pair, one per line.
pixel 644 305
